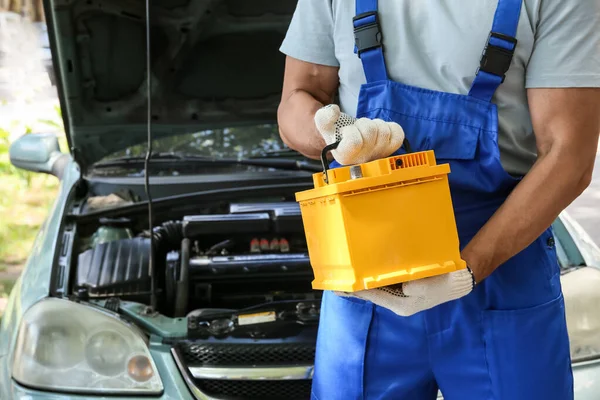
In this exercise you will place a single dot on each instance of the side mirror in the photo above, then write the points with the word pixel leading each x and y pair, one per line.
pixel 38 152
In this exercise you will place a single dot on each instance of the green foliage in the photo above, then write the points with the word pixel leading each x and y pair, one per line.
pixel 5 165
pixel 4 145
pixel 23 207
pixel 25 198
pixel 57 123
pixel 6 286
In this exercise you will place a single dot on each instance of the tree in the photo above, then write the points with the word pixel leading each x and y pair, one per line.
pixel 31 9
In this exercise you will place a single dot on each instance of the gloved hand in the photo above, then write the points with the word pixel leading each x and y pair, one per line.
pixel 361 140
pixel 414 296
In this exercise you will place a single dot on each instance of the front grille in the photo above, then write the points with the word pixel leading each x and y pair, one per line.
pixel 256 390
pixel 243 355
pixel 246 355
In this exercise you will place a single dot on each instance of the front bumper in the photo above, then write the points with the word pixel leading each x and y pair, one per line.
pixel 180 381
pixel 586 375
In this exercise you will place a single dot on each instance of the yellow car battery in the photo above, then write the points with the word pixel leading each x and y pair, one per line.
pixel 380 223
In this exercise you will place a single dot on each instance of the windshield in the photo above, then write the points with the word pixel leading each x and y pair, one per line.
pixel 233 142
pixel 239 142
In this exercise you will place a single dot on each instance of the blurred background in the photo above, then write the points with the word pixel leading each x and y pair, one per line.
pixel 28 103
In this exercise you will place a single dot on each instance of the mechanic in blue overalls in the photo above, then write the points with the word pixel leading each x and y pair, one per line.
pixel 519 127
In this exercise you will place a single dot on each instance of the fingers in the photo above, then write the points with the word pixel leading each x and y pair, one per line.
pixel 384 137
pixel 402 306
pixel 349 150
pixel 396 138
pixel 325 120
pixel 427 287
pixel 390 138
pixel 358 143
pixel 343 121
pixel 369 130
pixel 361 140
pixel 380 139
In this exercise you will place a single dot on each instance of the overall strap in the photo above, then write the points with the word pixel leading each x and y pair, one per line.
pixel 368 40
pixel 499 50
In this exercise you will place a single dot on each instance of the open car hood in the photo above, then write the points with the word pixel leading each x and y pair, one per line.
pixel 214 63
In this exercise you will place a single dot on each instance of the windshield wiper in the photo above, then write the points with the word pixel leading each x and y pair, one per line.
pixel 163 159
pixel 278 153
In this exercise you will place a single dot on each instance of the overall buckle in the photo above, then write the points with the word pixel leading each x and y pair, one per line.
pixel 496 60
pixel 367 36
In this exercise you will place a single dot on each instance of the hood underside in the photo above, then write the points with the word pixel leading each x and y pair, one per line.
pixel 214 63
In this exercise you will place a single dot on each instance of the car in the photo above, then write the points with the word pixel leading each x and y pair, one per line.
pixel 201 290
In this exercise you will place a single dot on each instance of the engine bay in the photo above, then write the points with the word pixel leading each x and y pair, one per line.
pixel 228 269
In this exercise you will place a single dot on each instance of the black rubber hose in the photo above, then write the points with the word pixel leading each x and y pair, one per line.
pixel 165 238
pixel 181 294
pixel 168 236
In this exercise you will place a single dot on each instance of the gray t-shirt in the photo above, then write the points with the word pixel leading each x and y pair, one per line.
pixel 437 44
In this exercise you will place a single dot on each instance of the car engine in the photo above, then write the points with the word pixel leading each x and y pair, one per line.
pixel 225 271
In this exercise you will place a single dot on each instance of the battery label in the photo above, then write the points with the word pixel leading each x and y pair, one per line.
pixel 257 318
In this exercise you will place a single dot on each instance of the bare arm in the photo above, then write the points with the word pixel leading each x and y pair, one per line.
pixel 566 123
pixel 306 88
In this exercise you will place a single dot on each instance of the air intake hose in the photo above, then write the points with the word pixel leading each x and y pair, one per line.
pixel 168 236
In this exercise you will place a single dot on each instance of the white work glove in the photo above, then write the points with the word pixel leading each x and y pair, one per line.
pixel 361 140
pixel 414 296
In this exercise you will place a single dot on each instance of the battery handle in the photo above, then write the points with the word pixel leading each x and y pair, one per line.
pixel 334 145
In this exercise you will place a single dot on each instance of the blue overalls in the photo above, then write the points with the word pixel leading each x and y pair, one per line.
pixel 507 339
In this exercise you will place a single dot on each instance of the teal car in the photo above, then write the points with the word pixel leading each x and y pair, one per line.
pixel 201 290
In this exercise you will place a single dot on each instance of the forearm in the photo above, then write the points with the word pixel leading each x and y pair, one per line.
pixel 556 179
pixel 296 123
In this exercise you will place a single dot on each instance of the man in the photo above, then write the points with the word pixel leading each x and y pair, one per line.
pixel 519 127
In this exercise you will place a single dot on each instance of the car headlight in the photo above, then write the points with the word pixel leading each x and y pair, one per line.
pixel 581 289
pixel 62 345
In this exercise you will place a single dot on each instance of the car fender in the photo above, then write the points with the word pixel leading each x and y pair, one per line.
pixel 34 281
